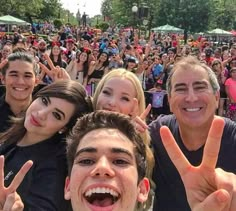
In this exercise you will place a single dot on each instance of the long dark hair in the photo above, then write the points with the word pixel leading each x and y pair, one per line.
pixel 59 60
pixel 68 90
pixel 85 64
pixel 106 63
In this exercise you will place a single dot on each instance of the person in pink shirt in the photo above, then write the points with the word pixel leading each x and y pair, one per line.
pixel 230 88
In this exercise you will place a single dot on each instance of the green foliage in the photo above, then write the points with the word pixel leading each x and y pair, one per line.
pixel 57 23
pixel 36 10
pixel 94 21
pixel 192 15
pixel 223 14
pixel 106 8
pixel 103 26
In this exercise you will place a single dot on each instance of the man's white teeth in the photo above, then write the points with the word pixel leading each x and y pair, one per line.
pixel 19 89
pixel 101 190
pixel 192 109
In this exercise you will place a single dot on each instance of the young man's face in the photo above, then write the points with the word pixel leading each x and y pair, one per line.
pixel 19 80
pixel 104 174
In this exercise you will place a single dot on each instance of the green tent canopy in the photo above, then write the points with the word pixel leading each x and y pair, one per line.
pixel 167 28
pixel 219 32
pixel 8 19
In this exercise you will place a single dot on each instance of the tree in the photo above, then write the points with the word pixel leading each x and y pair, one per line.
pixel 106 8
pixel 21 8
pixel 223 14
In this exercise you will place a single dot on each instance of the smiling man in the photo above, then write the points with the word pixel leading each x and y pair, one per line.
pixel 193 93
pixel 19 78
pixel 107 162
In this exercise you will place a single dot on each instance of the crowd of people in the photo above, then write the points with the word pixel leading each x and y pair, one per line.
pixel 104 122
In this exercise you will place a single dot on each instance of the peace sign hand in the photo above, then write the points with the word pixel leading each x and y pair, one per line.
pixel 9 199
pixel 207 188
pixel 139 120
pixel 56 73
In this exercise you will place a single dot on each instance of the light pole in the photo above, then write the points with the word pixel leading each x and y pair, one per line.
pixel 134 11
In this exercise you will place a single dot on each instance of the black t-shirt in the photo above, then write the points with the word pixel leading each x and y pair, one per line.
pixel 43 186
pixel 170 193
pixel 5 114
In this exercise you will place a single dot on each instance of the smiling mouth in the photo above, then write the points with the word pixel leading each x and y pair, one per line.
pixel 101 197
pixel 193 109
pixel 19 89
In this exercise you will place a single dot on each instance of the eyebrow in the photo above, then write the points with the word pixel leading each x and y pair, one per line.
pixel 115 150
pixel 61 112
pixel 179 85
pixel 194 83
pixel 201 83
pixel 13 71
pixel 16 72
pixel 121 151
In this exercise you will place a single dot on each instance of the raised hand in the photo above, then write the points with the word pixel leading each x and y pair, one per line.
pixel 207 188
pixel 3 63
pixel 9 199
pixel 139 120
pixel 56 73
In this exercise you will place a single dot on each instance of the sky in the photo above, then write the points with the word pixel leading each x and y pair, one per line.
pixel 90 7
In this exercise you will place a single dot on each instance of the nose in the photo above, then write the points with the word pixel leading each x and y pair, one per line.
pixel 20 80
pixel 191 95
pixel 103 168
pixel 112 101
pixel 42 114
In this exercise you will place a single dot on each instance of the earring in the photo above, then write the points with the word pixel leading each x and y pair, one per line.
pixel 60 132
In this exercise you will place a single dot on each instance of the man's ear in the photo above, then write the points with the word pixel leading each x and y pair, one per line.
pixel 169 99
pixel 144 188
pixel 217 96
pixel 67 195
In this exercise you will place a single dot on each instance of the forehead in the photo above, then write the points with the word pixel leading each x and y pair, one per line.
pixel 103 54
pixel 83 54
pixel 120 84
pixel 56 47
pixel 6 47
pixel 189 74
pixel 20 66
pixel 105 139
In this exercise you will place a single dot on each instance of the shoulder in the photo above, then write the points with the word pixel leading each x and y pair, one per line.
pixel 168 120
pixel 228 81
pixel 229 129
pixel 2 102
pixel 163 120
